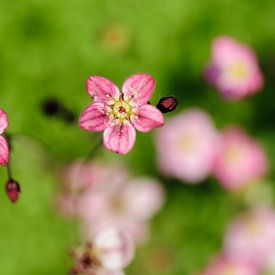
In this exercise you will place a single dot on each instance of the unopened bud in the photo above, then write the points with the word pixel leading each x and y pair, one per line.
pixel 13 190
pixel 167 104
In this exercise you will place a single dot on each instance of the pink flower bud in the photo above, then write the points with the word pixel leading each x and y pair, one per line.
pixel 13 190
pixel 167 104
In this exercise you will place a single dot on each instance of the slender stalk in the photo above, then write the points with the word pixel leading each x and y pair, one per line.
pixel 94 150
pixel 9 171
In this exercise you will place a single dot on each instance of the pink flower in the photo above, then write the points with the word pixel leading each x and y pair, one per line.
pixel 186 146
pixel 115 248
pixel 130 206
pixel 234 69
pixel 99 203
pixel 81 178
pixel 240 160
pixel 4 147
pixel 119 114
pixel 251 237
pixel 109 251
pixel 224 266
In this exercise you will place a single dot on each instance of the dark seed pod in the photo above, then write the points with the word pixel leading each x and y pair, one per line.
pixel 13 190
pixel 167 104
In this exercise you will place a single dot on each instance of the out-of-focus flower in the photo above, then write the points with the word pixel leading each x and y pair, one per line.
pixel 186 146
pixel 115 199
pixel 4 147
pixel 115 37
pixel 240 160
pixel 251 237
pixel 120 114
pixel 269 267
pixel 80 178
pixel 224 266
pixel 130 207
pixel 234 69
pixel 110 250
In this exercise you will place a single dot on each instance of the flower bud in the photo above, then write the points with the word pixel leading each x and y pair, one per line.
pixel 13 190
pixel 167 104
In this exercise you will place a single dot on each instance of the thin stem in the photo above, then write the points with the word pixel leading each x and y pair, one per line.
pixel 94 150
pixel 88 157
pixel 9 171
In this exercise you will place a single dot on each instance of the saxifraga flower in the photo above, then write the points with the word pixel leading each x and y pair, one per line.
pixel 120 114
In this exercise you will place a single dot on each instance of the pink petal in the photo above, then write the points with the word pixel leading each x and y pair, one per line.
pixel 120 138
pixel 101 88
pixel 4 151
pixel 148 118
pixel 94 117
pixel 115 247
pixel 139 88
pixel 144 192
pixel 3 121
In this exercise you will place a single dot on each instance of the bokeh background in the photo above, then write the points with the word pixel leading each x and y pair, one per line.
pixel 48 48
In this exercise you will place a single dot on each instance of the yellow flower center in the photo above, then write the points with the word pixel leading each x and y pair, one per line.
pixel 121 110
pixel 233 155
pixel 188 143
pixel 238 70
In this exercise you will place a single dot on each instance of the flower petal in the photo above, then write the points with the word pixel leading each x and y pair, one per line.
pixel 3 121
pixel 143 197
pixel 115 246
pixel 139 88
pixel 148 118
pixel 120 138
pixel 101 88
pixel 4 151
pixel 94 117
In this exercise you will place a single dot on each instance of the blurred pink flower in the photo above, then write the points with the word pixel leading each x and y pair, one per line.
pixel 114 199
pixel 240 160
pixel 251 237
pixel 109 251
pixel 130 207
pixel 4 147
pixel 186 146
pixel 117 113
pixel 224 266
pixel 114 247
pixel 80 178
pixel 234 69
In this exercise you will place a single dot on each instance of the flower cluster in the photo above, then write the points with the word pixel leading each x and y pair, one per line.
pixel 249 245
pixel 190 149
pixel 103 195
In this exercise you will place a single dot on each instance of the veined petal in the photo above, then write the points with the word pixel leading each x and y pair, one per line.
pixel 101 88
pixel 139 88
pixel 3 121
pixel 115 247
pixel 120 138
pixel 148 118
pixel 94 117
pixel 4 151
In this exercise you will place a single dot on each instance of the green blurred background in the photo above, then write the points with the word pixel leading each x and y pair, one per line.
pixel 49 47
